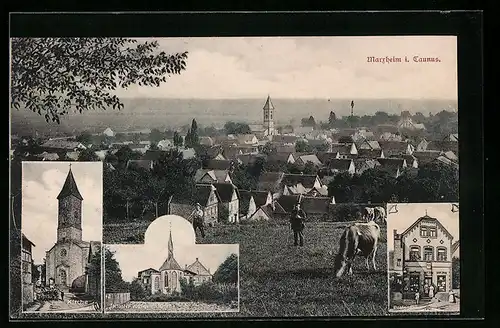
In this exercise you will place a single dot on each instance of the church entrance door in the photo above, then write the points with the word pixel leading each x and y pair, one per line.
pixel 63 277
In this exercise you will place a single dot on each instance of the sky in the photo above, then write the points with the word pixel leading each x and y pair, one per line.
pixel 41 184
pixel 308 67
pixel 408 213
pixel 154 251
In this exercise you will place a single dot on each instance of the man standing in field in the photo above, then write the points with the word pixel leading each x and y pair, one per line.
pixel 297 222
pixel 197 215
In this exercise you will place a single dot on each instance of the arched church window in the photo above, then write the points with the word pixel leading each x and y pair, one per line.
pixel 174 280
pixel 157 283
pixel 166 279
pixel 64 252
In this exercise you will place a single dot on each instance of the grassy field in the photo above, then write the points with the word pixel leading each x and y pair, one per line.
pixel 280 280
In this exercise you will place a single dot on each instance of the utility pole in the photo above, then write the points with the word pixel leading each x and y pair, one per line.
pixel 352 113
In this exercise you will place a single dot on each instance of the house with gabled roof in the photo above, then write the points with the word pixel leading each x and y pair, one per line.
pixel 247 139
pixel 300 184
pixel 302 160
pixel 394 166
pixel 271 181
pixel 427 156
pixel 368 145
pixel 424 251
pixel 284 148
pixel 140 163
pixel 444 146
pixel 206 195
pixel 59 145
pixel 363 164
pixel 198 273
pixel 280 158
pixel 218 164
pixel 248 159
pixel 370 153
pixel 212 176
pixel 232 152
pixel 250 201
pixel 108 132
pixel 214 152
pixel 284 140
pixel 229 201
pixel 337 165
pixel 396 147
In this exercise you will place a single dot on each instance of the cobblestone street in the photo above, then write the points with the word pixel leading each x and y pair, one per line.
pixel 135 306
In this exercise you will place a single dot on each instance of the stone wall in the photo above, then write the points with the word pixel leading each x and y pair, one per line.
pixel 116 299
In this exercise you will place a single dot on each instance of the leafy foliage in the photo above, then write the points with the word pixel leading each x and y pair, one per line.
pixel 87 155
pixel 237 128
pixel 137 291
pixel 455 273
pixel 433 182
pixel 227 272
pixel 308 121
pixel 114 282
pixel 302 146
pixel 50 76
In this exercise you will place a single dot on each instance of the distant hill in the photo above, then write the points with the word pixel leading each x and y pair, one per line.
pixel 163 113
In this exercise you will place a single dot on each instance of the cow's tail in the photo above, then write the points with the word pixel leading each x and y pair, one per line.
pixel 345 249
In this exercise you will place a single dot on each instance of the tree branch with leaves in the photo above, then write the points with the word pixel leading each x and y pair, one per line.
pixel 51 76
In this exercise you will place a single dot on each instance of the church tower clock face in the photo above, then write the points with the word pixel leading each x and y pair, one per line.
pixel 63 252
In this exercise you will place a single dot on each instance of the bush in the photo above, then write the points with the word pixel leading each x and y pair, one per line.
pixel 158 297
pixel 210 292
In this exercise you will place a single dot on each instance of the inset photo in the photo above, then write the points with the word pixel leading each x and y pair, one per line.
pixel 62 234
pixel 170 273
pixel 423 257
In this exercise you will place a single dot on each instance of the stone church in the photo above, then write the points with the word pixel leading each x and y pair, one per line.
pixel 167 279
pixel 68 261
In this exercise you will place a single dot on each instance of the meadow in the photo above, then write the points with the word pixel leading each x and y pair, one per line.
pixel 280 280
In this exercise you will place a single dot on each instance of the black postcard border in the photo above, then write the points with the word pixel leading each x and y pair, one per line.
pixel 467 25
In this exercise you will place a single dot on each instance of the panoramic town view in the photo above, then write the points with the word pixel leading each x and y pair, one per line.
pixel 245 137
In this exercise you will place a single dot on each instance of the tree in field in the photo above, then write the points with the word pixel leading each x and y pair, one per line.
pixel 268 149
pixel 51 76
pixel 155 136
pixel 137 290
pixel 177 139
pixel 227 272
pixel 237 128
pixel 87 155
pixel 85 138
pixel 94 270
pixel 308 121
pixel 302 146
pixel 192 137
pixel 332 118
pixel 113 277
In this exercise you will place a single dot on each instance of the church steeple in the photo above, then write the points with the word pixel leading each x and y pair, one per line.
pixel 268 111
pixel 170 245
pixel 170 263
pixel 70 188
pixel 70 211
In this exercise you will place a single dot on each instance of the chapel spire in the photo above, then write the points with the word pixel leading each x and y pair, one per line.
pixel 170 244
pixel 70 188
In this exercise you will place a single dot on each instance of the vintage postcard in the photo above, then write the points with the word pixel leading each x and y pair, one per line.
pixel 170 273
pixel 423 257
pixel 62 233
pixel 279 154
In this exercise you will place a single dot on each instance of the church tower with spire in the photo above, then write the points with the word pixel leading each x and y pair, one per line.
pixel 268 112
pixel 69 210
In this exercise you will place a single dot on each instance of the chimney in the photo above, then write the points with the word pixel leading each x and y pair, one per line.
pixel 196 259
pixel 185 266
pixel 396 236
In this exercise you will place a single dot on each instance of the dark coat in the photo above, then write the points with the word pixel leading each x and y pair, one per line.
pixel 297 219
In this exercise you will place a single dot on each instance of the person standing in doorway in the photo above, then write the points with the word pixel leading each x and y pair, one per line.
pixel 297 223
pixel 198 223
pixel 431 291
pixel 417 297
pixel 426 289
